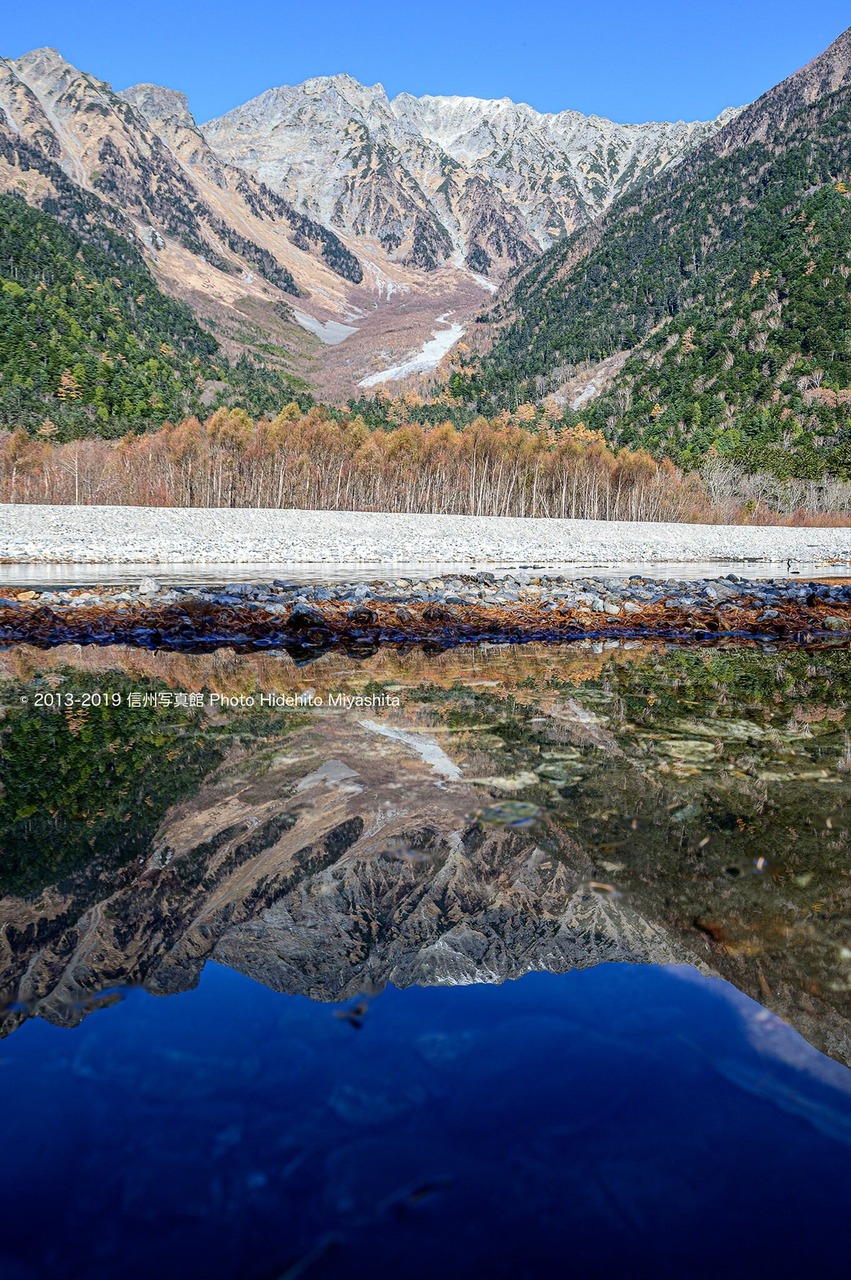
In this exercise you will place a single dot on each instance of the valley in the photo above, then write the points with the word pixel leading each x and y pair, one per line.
pixel 679 291
pixel 425 617
pixel 322 228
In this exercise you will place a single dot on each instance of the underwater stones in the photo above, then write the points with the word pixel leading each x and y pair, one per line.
pixel 440 1048
pixel 376 1099
pixel 362 616
pixel 435 613
pixel 511 813
pixel 303 617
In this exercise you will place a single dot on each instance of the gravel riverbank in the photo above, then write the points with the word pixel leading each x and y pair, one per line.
pixel 163 535
pixel 452 609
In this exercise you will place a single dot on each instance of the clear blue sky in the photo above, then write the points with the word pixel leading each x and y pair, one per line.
pixel 626 59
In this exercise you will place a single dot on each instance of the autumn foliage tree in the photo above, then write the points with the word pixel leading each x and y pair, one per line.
pixel 322 459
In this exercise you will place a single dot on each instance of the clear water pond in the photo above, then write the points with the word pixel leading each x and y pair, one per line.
pixel 462 963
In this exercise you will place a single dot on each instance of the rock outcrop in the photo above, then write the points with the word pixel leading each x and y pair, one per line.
pixel 486 183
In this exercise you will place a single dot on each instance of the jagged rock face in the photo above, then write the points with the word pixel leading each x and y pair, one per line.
pixel 556 169
pixel 167 111
pixel 434 178
pixel 143 154
pixel 23 114
pixel 104 144
pixel 335 148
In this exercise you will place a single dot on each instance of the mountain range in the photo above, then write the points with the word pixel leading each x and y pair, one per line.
pixel 432 180
pixel 359 218
pixel 680 288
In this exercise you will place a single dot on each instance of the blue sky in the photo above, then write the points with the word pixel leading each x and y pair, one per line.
pixel 662 59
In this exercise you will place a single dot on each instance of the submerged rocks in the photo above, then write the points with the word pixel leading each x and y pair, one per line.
pixel 302 617
pixel 362 616
pixel 454 608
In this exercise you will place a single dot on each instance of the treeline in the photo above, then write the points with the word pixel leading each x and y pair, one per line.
pixel 311 460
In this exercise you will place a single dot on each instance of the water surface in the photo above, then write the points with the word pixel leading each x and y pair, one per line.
pixel 43 574
pixel 462 963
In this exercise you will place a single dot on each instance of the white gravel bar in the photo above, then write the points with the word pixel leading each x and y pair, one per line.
pixel 167 535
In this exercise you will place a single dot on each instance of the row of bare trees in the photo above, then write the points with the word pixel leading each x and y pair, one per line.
pixel 729 486
pixel 315 461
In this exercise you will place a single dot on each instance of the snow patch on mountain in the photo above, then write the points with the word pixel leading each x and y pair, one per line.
pixel 427 358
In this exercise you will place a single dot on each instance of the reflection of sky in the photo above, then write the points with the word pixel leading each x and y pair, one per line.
pixel 632 1120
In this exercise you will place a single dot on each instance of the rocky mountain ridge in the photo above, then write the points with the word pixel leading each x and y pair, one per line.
pixel 325 204
pixel 486 184
pixel 213 235
pixel 717 292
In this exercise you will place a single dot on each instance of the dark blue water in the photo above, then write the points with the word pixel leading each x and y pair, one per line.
pixel 617 1121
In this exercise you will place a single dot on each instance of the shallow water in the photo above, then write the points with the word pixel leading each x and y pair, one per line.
pixel 34 574
pixel 528 954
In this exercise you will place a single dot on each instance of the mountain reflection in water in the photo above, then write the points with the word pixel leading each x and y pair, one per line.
pixel 601 808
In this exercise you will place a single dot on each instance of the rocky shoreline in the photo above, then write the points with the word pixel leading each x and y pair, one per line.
pixel 459 609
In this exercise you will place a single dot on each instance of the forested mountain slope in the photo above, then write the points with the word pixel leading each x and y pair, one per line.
pixel 89 343
pixel 727 279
